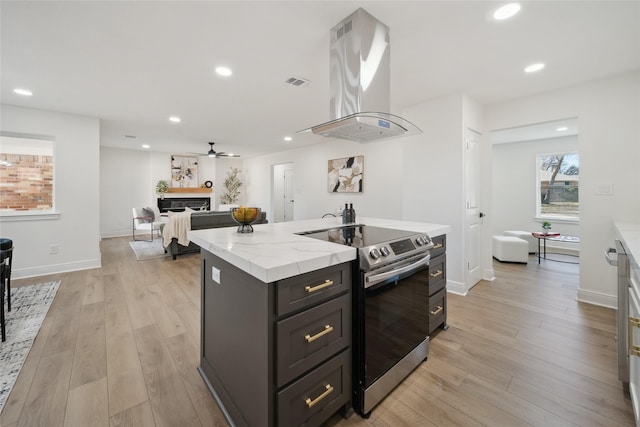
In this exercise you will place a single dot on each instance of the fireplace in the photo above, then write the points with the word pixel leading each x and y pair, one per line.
pixel 178 204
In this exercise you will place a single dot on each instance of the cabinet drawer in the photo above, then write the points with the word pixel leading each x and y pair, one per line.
pixel 309 338
pixel 439 245
pixel 437 273
pixel 314 398
pixel 305 290
pixel 437 309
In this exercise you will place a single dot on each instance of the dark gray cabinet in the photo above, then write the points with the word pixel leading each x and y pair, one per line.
pixel 438 284
pixel 276 354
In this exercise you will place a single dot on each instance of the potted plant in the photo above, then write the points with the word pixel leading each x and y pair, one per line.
pixel 232 186
pixel 162 187
pixel 546 226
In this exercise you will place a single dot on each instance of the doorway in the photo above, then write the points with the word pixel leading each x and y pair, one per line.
pixel 283 185
pixel 535 178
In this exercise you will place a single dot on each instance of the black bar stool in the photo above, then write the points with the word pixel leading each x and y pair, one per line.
pixel 3 270
pixel 7 246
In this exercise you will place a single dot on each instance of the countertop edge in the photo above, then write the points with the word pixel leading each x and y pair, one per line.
pixel 274 252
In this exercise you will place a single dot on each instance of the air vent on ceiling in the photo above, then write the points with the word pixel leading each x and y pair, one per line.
pixel 298 81
pixel 130 136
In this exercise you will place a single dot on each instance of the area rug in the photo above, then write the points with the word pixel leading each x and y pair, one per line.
pixel 148 250
pixel 29 306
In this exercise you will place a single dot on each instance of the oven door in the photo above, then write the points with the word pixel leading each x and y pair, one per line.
pixel 393 323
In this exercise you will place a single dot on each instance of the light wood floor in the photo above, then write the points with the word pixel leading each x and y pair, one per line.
pixel 119 347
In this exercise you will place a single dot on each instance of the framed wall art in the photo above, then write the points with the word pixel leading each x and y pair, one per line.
pixel 345 175
pixel 184 172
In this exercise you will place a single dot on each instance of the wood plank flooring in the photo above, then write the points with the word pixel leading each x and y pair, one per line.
pixel 119 347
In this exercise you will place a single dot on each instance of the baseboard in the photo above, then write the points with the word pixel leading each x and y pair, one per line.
pixel 489 275
pixel 44 270
pixel 597 298
pixel 456 288
pixel 117 234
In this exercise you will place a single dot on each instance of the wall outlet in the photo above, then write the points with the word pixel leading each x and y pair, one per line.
pixel 53 249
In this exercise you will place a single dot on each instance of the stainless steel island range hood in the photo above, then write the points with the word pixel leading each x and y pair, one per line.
pixel 359 83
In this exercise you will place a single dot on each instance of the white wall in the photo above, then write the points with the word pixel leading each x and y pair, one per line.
pixel 608 114
pixel 128 179
pixel 433 176
pixel 77 187
pixel 514 189
pixel 382 184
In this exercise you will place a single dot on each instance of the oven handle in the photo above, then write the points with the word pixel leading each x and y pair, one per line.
pixel 377 278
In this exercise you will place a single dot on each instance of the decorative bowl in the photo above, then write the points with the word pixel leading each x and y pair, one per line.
pixel 245 216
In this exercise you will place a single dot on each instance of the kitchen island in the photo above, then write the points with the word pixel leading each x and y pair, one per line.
pixel 276 320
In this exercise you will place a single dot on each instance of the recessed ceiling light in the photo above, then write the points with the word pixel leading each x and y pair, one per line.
pixel 506 11
pixel 175 119
pixel 562 128
pixel 146 146
pixel 23 92
pixel 287 138
pixel 534 67
pixel 224 71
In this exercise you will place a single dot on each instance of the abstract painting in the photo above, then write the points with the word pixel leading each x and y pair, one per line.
pixel 184 172
pixel 345 175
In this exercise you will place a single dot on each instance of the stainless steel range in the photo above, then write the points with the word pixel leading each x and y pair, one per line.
pixel 390 307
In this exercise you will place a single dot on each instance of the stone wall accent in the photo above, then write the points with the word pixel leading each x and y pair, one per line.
pixel 28 183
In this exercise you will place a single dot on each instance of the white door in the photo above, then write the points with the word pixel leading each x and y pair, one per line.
pixel 473 214
pixel 283 185
pixel 288 195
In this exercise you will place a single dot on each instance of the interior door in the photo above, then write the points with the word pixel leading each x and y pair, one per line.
pixel 473 214
pixel 282 196
pixel 288 195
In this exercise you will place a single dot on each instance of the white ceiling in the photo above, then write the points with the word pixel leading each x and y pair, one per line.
pixel 134 64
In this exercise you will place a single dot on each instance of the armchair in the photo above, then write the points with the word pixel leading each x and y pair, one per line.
pixel 142 221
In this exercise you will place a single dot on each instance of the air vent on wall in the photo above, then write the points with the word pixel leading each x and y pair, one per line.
pixel 344 29
pixel 298 81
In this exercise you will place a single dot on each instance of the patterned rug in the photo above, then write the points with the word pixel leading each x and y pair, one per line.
pixel 148 250
pixel 29 306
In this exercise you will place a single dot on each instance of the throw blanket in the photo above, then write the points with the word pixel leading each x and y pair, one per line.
pixel 178 225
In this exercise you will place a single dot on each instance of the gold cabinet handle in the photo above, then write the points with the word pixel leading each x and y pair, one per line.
pixel 325 331
pixel 436 274
pixel 437 311
pixel 634 322
pixel 311 403
pixel 326 284
pixel 437 246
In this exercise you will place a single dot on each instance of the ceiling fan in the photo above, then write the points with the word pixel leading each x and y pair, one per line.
pixel 214 153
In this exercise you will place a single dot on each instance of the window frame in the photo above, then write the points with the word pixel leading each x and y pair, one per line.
pixel 545 216
pixel 9 215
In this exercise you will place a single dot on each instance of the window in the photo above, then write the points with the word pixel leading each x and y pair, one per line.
pixel 26 175
pixel 558 185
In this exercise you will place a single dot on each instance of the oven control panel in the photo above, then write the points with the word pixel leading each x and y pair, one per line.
pixel 384 252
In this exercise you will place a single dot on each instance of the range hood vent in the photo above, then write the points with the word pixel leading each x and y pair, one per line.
pixel 360 84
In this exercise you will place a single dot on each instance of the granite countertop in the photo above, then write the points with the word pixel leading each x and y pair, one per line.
pixel 274 252
pixel 629 234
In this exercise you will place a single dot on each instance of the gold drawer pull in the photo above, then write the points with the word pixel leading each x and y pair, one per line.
pixel 326 284
pixel 436 274
pixel 436 312
pixel 325 331
pixel 311 403
pixel 437 246
pixel 634 322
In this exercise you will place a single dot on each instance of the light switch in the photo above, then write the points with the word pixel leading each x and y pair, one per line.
pixel 215 275
pixel 604 189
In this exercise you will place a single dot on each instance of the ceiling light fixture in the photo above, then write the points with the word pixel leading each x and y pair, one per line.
pixel 23 92
pixel 534 67
pixel 224 71
pixel 175 119
pixel 506 11
pixel 146 146
pixel 288 138
pixel 562 128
